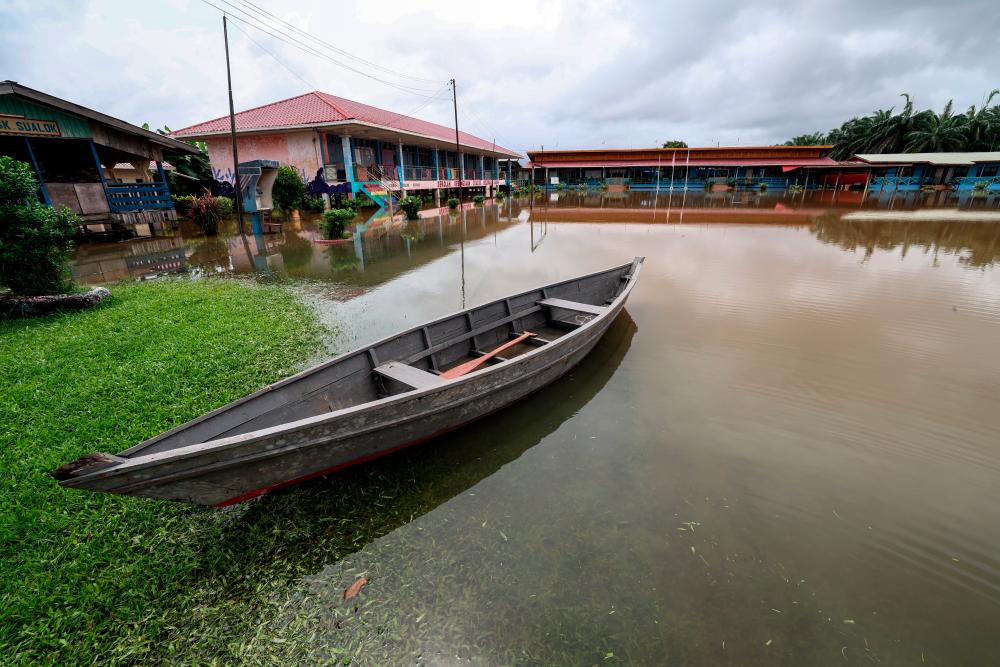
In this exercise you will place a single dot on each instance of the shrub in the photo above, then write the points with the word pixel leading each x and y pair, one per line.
pixel 206 212
pixel 500 194
pixel 453 203
pixel 288 189
pixel 335 220
pixel 411 206
pixel 35 239
pixel 980 186
pixel 182 203
pixel 796 189
pixel 478 200
pixel 313 203
pixel 225 206
pixel 762 187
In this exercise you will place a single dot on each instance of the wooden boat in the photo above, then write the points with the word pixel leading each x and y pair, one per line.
pixel 399 391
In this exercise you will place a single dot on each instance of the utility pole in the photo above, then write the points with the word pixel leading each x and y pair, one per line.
pixel 458 150
pixel 232 129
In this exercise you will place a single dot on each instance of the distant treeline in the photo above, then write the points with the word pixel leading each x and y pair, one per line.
pixel 911 131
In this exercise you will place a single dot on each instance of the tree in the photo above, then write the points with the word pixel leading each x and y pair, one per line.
pixel 814 139
pixel 675 143
pixel 35 239
pixel 288 189
pixel 938 133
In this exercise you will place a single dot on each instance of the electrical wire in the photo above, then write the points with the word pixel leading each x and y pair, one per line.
pixel 276 59
pixel 261 11
pixel 252 23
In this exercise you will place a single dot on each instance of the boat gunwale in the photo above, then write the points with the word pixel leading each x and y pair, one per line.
pixel 140 461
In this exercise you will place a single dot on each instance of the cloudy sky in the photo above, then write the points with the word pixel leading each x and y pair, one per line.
pixel 567 74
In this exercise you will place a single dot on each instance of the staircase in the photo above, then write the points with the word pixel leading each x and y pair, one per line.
pixel 383 188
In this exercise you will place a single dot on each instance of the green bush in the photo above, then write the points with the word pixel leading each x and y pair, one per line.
pixel 182 204
pixel 289 189
pixel 762 187
pixel 500 194
pixel 796 189
pixel 35 239
pixel 206 212
pixel 411 206
pixel 225 206
pixel 980 186
pixel 453 203
pixel 478 200
pixel 313 203
pixel 335 220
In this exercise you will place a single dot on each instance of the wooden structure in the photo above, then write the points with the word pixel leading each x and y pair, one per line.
pixel 74 151
pixel 369 402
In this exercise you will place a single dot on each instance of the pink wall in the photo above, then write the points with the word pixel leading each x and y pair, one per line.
pixel 298 149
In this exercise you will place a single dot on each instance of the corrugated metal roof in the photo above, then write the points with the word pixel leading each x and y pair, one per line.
pixel 318 108
pixel 702 162
pixel 950 159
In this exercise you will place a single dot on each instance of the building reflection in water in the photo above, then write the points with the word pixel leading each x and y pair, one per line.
pixel 384 247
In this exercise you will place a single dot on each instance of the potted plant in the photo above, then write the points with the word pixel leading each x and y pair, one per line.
pixel 478 200
pixel 453 203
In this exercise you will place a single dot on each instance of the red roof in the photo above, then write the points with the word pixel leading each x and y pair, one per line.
pixel 318 108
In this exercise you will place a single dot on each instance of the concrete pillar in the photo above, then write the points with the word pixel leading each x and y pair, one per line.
pixel 482 167
pixel 437 164
pixel 345 143
pixel 399 164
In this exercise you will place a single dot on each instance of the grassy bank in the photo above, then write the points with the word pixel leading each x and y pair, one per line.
pixel 92 578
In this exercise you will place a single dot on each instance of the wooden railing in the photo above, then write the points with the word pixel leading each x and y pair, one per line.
pixel 138 197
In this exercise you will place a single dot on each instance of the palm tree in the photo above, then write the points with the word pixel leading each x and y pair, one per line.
pixel 937 133
pixel 981 126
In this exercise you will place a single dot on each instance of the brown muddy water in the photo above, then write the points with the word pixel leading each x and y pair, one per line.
pixel 787 452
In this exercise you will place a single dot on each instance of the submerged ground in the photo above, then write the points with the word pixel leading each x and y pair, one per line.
pixel 784 453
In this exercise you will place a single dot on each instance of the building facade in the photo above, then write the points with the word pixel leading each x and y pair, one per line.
pixel 776 167
pixel 345 142
pixel 75 152
pixel 913 171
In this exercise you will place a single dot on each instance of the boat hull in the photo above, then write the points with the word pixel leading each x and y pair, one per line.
pixel 240 467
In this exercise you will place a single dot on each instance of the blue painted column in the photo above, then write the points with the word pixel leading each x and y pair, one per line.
pixel 437 164
pixel 482 167
pixel 100 172
pixel 345 144
pixel 399 165
pixel 38 173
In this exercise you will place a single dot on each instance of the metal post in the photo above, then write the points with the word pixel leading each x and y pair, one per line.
pixel 38 173
pixel 458 148
pixel 100 172
pixel 232 130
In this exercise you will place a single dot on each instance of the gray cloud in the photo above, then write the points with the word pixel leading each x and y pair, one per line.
pixel 572 74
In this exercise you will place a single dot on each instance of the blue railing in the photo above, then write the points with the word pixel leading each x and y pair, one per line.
pixel 969 182
pixel 124 197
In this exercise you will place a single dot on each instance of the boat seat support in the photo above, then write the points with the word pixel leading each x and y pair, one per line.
pixel 573 305
pixel 408 375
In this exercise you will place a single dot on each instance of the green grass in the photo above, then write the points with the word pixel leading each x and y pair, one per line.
pixel 92 578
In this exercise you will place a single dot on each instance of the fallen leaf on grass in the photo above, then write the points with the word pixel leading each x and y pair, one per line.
pixel 355 588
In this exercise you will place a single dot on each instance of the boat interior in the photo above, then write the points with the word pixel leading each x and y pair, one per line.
pixel 427 356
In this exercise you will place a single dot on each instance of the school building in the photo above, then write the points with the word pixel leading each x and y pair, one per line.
pixel 346 142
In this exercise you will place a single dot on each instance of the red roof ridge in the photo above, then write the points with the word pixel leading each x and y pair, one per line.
pixel 262 106
pixel 324 98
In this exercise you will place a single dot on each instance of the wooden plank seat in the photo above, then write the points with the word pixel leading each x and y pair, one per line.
pixel 408 375
pixel 573 305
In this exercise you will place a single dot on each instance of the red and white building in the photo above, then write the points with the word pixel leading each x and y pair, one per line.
pixel 343 141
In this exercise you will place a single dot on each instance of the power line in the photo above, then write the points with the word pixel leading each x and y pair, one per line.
pixel 276 59
pixel 252 22
pixel 304 33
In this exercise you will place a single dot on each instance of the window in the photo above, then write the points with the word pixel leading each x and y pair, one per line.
pixel 988 171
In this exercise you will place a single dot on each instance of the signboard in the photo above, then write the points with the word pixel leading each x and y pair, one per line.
pixel 28 127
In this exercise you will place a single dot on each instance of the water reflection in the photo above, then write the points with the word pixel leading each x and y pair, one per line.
pixel 794 460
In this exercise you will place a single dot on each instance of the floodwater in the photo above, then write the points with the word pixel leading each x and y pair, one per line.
pixel 787 451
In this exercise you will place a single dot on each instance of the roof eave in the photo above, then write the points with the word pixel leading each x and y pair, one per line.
pixel 338 123
pixel 14 88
